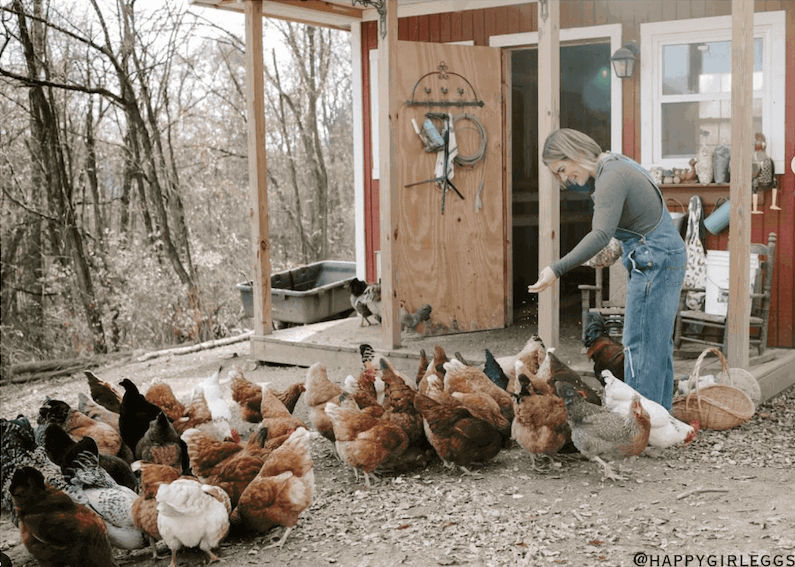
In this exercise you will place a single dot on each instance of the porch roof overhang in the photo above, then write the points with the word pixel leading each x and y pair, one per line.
pixel 337 14
pixel 340 14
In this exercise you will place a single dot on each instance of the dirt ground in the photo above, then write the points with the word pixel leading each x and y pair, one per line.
pixel 728 498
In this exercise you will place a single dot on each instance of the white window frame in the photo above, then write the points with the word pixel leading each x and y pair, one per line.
pixel 609 31
pixel 770 26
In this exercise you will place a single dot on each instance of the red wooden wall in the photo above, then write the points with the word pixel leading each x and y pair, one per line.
pixel 480 25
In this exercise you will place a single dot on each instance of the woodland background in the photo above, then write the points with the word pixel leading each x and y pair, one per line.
pixel 123 147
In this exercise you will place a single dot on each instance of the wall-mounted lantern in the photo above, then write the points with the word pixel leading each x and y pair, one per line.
pixel 624 60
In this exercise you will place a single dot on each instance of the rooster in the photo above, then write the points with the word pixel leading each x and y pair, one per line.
pixel 605 353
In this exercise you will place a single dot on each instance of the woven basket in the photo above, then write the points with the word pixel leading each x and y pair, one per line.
pixel 715 407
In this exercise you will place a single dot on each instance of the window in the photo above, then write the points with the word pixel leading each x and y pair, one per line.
pixel 686 87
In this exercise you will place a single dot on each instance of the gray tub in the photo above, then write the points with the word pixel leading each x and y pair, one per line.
pixel 308 294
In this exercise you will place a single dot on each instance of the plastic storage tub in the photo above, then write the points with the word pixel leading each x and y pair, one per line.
pixel 308 294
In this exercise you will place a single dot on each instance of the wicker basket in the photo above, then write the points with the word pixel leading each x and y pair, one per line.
pixel 715 407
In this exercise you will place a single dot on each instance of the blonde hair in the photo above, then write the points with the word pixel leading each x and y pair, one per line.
pixel 570 144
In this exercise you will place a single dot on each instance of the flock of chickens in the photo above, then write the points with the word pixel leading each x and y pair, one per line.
pixel 127 470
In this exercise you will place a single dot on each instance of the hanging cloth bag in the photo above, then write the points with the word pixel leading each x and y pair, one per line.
pixel 696 270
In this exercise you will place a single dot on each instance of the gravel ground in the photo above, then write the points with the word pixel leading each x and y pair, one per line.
pixel 729 493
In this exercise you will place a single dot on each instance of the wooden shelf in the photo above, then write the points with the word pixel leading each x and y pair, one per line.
pixel 709 193
pixel 710 186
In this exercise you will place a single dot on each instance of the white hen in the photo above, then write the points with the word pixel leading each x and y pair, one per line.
pixel 666 430
pixel 214 393
pixel 192 514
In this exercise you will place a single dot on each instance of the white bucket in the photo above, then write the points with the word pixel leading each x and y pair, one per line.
pixel 717 290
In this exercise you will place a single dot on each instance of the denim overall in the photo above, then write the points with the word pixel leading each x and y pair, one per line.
pixel 656 265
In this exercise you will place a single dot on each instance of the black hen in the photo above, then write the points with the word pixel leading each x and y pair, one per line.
pixel 135 414
pixel 605 353
pixel 58 445
pixel 495 372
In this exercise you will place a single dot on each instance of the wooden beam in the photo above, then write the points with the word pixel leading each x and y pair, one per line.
pixel 548 189
pixel 345 10
pixel 388 189
pixel 258 169
pixel 310 12
pixel 742 65
pixel 777 375
pixel 507 183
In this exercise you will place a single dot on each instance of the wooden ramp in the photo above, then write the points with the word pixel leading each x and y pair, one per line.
pixel 336 344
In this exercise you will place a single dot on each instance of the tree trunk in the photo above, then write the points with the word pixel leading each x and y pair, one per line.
pixel 57 182
pixel 91 174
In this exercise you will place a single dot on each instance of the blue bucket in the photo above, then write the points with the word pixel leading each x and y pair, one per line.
pixel 719 219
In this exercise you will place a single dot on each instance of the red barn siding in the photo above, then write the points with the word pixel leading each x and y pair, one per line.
pixel 479 25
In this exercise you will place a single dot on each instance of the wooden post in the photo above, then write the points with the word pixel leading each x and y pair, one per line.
pixel 258 169
pixel 548 189
pixel 388 189
pixel 742 66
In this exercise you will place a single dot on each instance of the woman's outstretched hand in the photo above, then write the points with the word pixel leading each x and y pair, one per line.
pixel 545 279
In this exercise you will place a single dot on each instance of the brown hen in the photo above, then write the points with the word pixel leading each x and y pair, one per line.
pixel 364 441
pixel 282 489
pixel 319 391
pixel 103 393
pixel 539 425
pixel 458 437
pixel 55 529
pixel 78 425
pixel 161 394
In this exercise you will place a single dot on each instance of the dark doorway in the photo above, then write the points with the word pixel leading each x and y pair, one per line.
pixel 584 105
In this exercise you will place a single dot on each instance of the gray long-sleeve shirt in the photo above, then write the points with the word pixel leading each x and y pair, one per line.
pixel 623 197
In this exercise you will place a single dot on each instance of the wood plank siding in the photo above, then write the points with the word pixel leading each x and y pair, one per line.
pixel 481 24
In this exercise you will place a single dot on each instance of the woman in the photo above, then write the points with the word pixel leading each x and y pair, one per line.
pixel 629 206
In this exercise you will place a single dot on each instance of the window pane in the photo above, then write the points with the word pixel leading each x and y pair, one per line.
pixel 685 125
pixel 703 68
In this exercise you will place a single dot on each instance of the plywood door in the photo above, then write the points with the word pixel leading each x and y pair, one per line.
pixel 455 261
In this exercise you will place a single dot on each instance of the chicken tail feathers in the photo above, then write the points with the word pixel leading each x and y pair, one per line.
pixel 410 321
pixel 595 328
pixel 494 371
pixel 56 443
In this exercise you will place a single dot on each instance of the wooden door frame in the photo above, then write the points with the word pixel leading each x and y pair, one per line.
pixel 515 41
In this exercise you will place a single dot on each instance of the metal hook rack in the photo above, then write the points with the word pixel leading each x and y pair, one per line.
pixel 443 74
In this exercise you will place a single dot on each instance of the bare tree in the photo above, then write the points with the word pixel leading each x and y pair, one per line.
pixel 56 180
